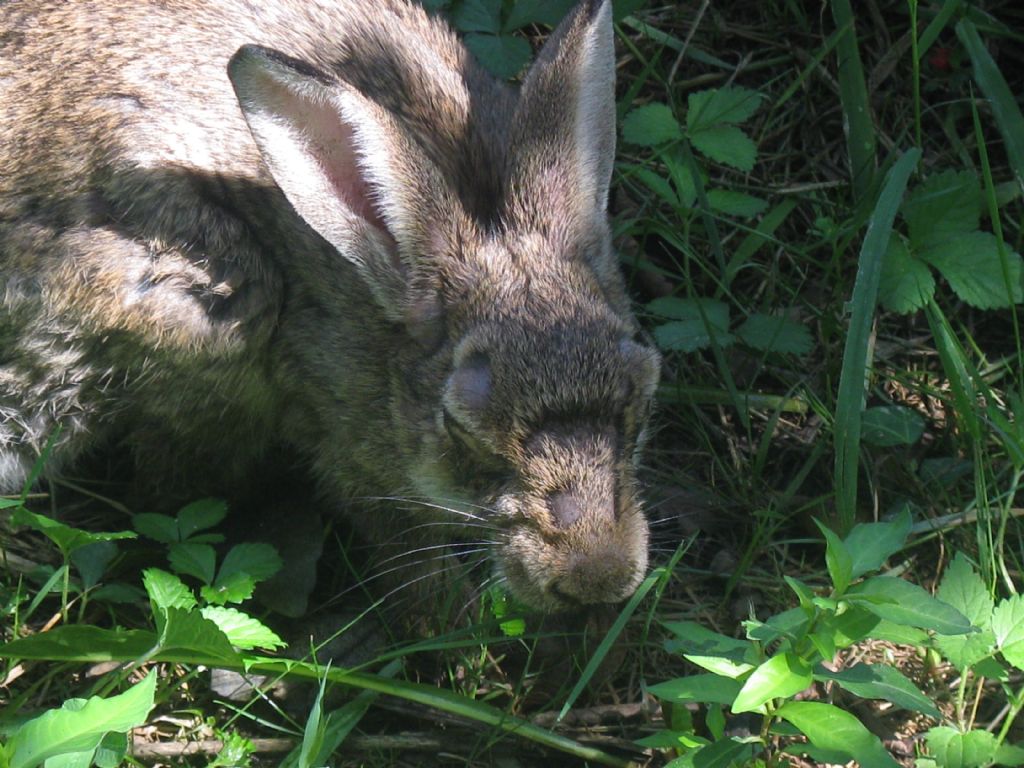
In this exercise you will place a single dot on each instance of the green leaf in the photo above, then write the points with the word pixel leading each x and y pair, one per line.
pixel 775 333
pixel 1008 628
pixel 850 626
pixel 870 544
pixel 706 688
pixel 953 749
pixel 906 283
pixel 81 643
pixel 650 125
pixel 193 559
pixel 964 651
pixel 734 203
pixel 831 728
pixel 157 527
pixel 963 589
pixel 716 106
pixel 726 144
pixel 881 682
pixel 192 633
pixel 837 559
pixel 236 588
pixel 255 559
pixel 547 12
pixel 901 602
pixel 945 206
pixel 780 677
pixel 690 332
pixel 724 753
pixel 655 182
pixel 66 538
pixel 974 270
pixel 166 590
pixel 80 728
pixel 725 656
pixel 789 624
pixel 91 561
pixel 504 56
pixel 477 16
pixel 890 425
pixel 241 629
pixel 200 515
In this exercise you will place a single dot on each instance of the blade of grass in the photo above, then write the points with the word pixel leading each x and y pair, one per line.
pixel 657 576
pixel 761 235
pixel 992 83
pixel 936 25
pixel 856 363
pixel 853 92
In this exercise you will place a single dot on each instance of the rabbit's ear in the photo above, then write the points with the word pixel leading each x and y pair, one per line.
pixel 343 163
pixel 563 134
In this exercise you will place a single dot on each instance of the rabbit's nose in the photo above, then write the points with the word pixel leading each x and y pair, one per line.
pixel 567 507
pixel 592 579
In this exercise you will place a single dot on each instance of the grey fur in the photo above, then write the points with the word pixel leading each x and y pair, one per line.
pixel 457 331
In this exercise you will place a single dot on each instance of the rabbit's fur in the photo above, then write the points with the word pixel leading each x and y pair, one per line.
pixel 443 321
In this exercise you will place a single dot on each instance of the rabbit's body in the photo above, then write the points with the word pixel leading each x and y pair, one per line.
pixel 444 323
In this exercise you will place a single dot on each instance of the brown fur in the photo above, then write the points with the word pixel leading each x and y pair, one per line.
pixel 443 321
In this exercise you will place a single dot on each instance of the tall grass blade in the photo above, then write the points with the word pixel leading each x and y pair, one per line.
pixel 992 83
pixel 853 91
pixel 852 380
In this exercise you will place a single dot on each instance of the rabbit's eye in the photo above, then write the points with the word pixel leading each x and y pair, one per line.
pixel 475 460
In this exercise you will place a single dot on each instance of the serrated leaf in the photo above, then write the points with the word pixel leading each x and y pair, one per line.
pixel 726 144
pixel 157 527
pixel 962 587
pixel 166 590
pixel 242 630
pixel 972 266
pixel 901 602
pixel 964 651
pixel 236 588
pixel 953 749
pixel 81 726
pixel 891 425
pixel 690 332
pixel 704 687
pixel 1008 629
pixel 946 205
pixel 189 632
pixel 733 105
pixel 906 283
pixel 650 125
pixel 193 559
pixel 829 727
pixel 200 515
pixel 780 677
pixel 477 16
pixel 548 12
pixel 734 203
pixel 775 333
pixel 880 682
pixel 870 544
pixel 254 558
pixel 504 56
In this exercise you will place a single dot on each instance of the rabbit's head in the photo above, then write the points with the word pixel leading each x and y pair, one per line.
pixel 476 219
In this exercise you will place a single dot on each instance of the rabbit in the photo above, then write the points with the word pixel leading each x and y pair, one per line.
pixel 317 233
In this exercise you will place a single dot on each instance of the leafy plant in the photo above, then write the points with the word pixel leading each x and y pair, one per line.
pixel 942 217
pixel 786 654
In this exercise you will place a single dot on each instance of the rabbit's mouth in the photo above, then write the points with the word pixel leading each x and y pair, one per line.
pixel 591 561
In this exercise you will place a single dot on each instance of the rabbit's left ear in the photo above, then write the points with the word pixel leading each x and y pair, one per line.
pixel 344 164
pixel 562 139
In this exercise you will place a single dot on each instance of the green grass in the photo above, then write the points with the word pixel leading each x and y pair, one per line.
pixel 783 333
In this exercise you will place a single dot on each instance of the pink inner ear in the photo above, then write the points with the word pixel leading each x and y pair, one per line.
pixel 471 383
pixel 332 144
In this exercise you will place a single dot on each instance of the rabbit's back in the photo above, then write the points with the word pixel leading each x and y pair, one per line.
pixel 138 226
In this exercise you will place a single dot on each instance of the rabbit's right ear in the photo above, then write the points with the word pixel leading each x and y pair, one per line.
pixel 343 163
